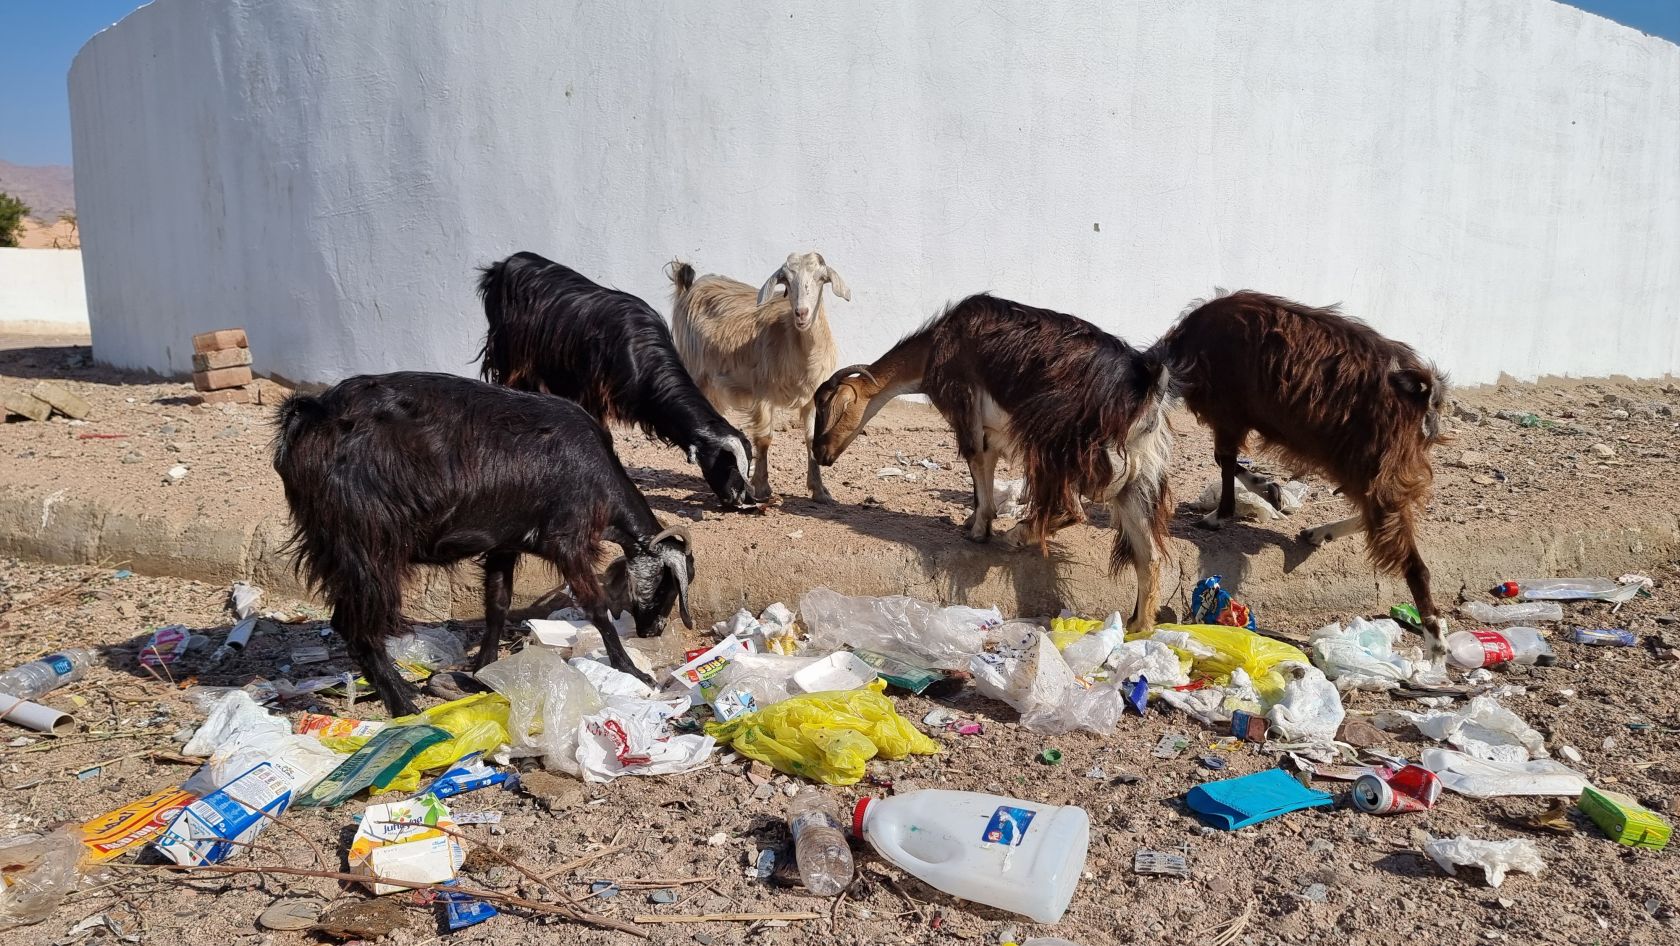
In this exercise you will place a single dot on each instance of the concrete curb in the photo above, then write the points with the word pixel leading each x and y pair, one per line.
pixel 1264 564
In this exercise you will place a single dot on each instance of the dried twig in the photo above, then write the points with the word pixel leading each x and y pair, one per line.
pixel 535 906
pixel 530 874
pixel 727 917
pixel 1226 933
pixel 575 863
pixel 57 594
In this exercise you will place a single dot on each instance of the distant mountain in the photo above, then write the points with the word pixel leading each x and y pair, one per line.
pixel 49 191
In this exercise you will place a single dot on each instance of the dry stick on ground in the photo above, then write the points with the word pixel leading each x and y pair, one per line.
pixel 727 917
pixel 57 594
pixel 575 863
pixel 535 906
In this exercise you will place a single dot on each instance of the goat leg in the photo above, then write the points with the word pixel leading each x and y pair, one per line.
pixel 1434 627
pixel 1225 454
pixel 813 470
pixel 498 597
pixel 1333 530
pixel 616 654
pixel 381 671
pixel 981 467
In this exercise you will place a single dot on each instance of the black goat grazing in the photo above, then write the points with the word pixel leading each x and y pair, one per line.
pixel 387 472
pixel 555 331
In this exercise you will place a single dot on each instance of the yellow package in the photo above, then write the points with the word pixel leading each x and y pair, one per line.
pixel 478 723
pixel 1237 647
pixel 825 737
pixel 1064 631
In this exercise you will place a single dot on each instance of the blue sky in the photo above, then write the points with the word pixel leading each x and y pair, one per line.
pixel 42 36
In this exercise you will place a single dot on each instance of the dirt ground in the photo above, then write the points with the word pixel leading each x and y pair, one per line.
pixel 1323 876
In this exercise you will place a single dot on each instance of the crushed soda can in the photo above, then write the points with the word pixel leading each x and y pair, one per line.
pixel 1603 637
pixel 1160 863
pixel 1410 788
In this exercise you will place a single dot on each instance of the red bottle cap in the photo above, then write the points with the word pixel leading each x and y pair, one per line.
pixel 1507 589
pixel 857 816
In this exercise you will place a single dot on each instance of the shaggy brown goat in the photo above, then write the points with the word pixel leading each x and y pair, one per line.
pixel 1083 410
pixel 1330 394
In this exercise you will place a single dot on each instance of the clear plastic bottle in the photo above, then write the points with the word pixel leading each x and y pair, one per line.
pixel 37 678
pixel 1015 855
pixel 1566 589
pixel 819 844
pixel 1484 613
pixel 1486 647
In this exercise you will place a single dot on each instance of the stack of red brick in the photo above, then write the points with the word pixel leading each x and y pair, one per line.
pixel 222 367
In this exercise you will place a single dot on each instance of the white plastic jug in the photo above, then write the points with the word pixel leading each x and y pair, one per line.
pixel 1007 853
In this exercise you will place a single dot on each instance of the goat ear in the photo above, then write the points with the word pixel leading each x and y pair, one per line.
pixel 768 291
pixel 838 284
pixel 837 406
pixel 1412 382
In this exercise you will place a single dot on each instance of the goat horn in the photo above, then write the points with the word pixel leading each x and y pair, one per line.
pixel 856 369
pixel 677 529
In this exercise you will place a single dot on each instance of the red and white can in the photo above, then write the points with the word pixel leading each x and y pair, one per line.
pixel 1413 788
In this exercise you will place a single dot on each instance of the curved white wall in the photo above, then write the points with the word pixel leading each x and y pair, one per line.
pixel 42 291
pixel 1496 181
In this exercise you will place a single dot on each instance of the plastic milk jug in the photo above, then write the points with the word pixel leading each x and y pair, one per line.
pixel 1015 855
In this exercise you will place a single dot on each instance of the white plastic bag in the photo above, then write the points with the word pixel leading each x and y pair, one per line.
pixel 1095 710
pixel 36 873
pixel 921 633
pixel 768 677
pixel 428 648
pixel 547 700
pixel 1311 707
pixel 1250 505
pixel 1479 778
pixel 1495 858
pixel 1149 659
pixel 239 735
pixel 1483 729
pixel 632 737
pixel 1096 648
pixel 1020 666
pixel 1361 656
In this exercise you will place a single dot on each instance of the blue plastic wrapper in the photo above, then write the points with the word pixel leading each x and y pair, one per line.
pixel 1212 604
pixel 1138 696
pixel 461 911
pixel 468 773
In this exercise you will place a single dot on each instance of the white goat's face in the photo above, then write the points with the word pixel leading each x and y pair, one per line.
pixel 803 277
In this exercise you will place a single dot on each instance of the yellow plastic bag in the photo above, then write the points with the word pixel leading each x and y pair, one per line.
pixel 1064 631
pixel 1237 647
pixel 826 737
pixel 478 723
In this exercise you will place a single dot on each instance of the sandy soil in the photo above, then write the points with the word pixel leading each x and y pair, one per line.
pixel 42 235
pixel 1618 707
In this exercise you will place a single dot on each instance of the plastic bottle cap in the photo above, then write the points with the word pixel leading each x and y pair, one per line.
pixel 857 815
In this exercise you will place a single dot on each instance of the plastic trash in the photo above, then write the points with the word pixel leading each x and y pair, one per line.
pixel 1233 648
pixel 1094 649
pixel 1210 603
pixel 1019 665
pixel 1486 647
pixel 37 871
pixel 426 650
pixel 1567 589
pixel 401 841
pixel 238 736
pixel 36 679
pixel 1361 656
pixel 1624 820
pixel 826 737
pixel 378 762
pixel 478 723
pixel 36 717
pixel 1020 856
pixel 900 673
pixel 841 670
pixel 1151 660
pixel 819 843
pixel 1239 802
pixel 468 774
pixel 922 633
pixel 768 677
pixel 1251 505
pixel 547 699
pixel 116 832
pixel 1480 778
pixel 633 737
pixel 237 638
pixel 226 821
pixel 1603 637
pixel 1495 858
pixel 1095 710
pixel 1311 706
pixel 1482 729
pixel 1520 612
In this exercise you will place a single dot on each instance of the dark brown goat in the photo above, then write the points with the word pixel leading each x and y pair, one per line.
pixel 1330 394
pixel 1082 409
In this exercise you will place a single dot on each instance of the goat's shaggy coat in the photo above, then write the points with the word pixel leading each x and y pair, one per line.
pixel 1328 393
pixel 384 473
pixel 1083 410
pixel 553 330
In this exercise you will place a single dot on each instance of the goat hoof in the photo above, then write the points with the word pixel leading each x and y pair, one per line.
pixel 979 538
pixel 1211 522
pixel 1314 537
pixel 823 496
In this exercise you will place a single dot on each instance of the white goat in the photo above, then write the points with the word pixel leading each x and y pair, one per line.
pixel 756 352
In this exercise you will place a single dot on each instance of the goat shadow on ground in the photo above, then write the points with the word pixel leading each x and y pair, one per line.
pixel 1229 551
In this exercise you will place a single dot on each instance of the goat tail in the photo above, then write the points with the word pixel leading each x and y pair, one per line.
pixel 492 290
pixel 682 277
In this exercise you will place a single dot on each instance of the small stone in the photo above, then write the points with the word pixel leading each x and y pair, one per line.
pixel 1570 754
pixel 1618 414
pixel 704 939
pixel 765 792
pixel 1505 904
pixel 790 789
pixel 1482 479
pixel 604 889
pixel 1317 893
pixel 1472 459
pixel 1320 846
pixel 1219 885
pixel 663 896
pixel 717 840
pixel 1603 451
pixel 176 474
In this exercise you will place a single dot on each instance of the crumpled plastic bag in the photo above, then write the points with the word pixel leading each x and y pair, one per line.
pixel 1210 603
pixel 1019 665
pixel 768 677
pixel 1495 858
pixel 1151 660
pixel 1480 778
pixel 239 735
pixel 1095 710
pixel 547 700
pixel 478 723
pixel 826 737
pixel 36 873
pixel 1362 657
pixel 1483 730
pixel 1311 707
pixel 1213 705
pixel 426 650
pixel 1251 505
pixel 921 633
pixel 1233 648
pixel 633 737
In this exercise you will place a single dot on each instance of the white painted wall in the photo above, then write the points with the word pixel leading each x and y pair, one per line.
pixel 1496 181
pixel 42 290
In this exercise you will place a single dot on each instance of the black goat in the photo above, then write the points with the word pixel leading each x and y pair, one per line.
pixel 387 472
pixel 555 331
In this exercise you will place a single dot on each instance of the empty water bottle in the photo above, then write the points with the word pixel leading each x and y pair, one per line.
pixel 1566 589
pixel 37 678
pixel 1483 613
pixel 819 844
pixel 1486 647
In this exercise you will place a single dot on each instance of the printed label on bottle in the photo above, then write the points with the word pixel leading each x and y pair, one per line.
pixel 61 664
pixel 1495 648
pixel 1007 826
